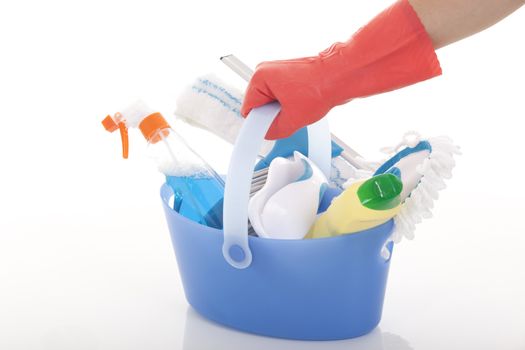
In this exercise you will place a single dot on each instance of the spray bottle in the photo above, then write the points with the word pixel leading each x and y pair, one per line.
pixel 196 186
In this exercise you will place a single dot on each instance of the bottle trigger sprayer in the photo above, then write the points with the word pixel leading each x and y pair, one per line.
pixel 196 186
pixel 115 123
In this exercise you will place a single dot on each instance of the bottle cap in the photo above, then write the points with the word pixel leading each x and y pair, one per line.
pixel 154 127
pixel 381 192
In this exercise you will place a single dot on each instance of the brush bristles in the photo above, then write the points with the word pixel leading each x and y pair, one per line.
pixel 437 167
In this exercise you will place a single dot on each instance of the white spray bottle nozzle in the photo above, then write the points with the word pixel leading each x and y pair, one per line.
pixel 130 117
pixel 135 113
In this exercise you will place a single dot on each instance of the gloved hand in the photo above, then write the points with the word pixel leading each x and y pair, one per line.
pixel 391 51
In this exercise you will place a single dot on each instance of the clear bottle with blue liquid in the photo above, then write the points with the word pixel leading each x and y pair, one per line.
pixel 198 189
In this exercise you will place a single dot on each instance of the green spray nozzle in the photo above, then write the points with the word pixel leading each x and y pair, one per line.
pixel 381 192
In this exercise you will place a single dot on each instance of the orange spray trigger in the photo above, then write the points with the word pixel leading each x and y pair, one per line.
pixel 111 126
pixel 124 138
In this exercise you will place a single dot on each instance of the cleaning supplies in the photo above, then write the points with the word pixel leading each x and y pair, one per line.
pixel 196 186
pixel 422 165
pixel 211 104
pixel 363 205
pixel 287 204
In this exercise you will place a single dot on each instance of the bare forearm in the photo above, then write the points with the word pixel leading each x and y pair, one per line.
pixel 448 21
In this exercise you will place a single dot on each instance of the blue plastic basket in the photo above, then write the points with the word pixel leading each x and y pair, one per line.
pixel 318 289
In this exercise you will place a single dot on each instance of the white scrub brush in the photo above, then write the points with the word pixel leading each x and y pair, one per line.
pixel 423 166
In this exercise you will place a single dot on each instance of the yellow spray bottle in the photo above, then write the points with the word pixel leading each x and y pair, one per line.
pixel 363 205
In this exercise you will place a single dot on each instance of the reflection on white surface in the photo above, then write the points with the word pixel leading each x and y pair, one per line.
pixel 201 334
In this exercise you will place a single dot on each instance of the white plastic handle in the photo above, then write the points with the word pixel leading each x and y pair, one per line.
pixel 320 145
pixel 235 248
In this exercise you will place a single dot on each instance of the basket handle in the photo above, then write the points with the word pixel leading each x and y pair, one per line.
pixel 235 248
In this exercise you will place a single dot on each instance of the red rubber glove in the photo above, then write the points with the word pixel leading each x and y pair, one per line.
pixel 390 52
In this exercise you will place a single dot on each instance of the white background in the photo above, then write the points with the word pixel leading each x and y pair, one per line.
pixel 85 255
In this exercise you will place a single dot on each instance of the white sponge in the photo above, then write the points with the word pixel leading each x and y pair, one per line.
pixel 211 104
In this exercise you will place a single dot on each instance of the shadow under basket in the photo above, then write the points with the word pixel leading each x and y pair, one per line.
pixel 311 289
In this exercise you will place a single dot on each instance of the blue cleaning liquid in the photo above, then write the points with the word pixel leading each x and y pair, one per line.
pixel 198 198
